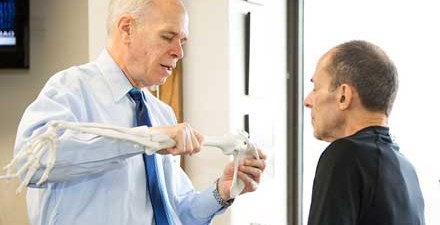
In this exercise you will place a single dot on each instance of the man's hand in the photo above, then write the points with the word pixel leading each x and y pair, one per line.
pixel 188 141
pixel 250 171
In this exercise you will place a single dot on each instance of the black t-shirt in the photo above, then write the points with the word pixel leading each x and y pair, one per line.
pixel 363 179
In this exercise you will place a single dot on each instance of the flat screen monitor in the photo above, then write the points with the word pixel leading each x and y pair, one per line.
pixel 14 33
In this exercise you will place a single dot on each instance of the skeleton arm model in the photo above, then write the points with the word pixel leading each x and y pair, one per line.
pixel 237 145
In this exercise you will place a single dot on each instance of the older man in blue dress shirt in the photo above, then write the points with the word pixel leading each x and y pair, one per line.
pixel 97 180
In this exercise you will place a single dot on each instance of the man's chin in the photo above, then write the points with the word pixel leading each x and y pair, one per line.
pixel 158 82
pixel 162 81
pixel 319 136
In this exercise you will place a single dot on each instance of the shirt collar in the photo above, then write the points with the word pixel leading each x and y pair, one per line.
pixel 376 129
pixel 117 81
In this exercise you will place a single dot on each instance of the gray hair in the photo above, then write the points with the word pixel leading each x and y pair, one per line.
pixel 372 73
pixel 118 7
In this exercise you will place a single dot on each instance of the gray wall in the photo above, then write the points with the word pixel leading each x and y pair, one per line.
pixel 59 39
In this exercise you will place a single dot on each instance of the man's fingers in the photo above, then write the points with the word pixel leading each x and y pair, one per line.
pixel 188 140
pixel 195 142
pixel 180 140
pixel 253 172
pixel 261 154
pixel 260 164
pixel 200 137
pixel 250 184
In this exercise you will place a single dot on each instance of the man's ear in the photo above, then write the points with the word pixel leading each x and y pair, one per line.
pixel 125 27
pixel 345 96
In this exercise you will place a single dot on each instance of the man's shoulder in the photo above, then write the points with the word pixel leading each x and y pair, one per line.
pixel 75 75
pixel 351 148
pixel 347 156
pixel 359 142
pixel 76 72
pixel 347 145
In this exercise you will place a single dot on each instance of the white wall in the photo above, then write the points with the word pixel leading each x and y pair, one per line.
pixel 97 26
pixel 206 86
pixel 59 38
pixel 214 100
pixel 206 66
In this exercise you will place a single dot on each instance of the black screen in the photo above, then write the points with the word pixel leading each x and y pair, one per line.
pixel 7 22
pixel 14 33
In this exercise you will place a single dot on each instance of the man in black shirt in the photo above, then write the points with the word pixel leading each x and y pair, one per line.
pixel 361 177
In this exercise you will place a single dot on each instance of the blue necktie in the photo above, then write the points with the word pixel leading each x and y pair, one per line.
pixel 161 214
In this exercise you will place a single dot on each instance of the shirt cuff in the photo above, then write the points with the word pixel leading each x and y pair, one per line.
pixel 211 205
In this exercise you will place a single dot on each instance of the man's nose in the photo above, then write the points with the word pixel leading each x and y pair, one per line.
pixel 307 101
pixel 177 50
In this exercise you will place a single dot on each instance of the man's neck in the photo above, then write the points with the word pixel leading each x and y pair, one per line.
pixel 362 120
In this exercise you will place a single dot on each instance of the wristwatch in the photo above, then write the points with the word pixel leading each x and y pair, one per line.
pixel 219 198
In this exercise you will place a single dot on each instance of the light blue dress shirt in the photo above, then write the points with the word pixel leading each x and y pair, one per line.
pixel 96 180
